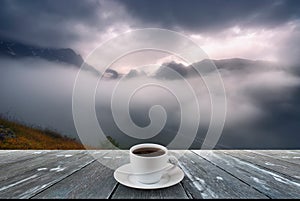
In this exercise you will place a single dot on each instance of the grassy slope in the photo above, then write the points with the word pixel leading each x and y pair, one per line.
pixel 31 138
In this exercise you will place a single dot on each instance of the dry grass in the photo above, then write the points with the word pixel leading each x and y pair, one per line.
pixel 32 138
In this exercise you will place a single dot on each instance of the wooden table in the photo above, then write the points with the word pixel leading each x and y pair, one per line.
pixel 208 174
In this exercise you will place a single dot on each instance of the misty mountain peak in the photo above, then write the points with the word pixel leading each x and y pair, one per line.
pixel 12 49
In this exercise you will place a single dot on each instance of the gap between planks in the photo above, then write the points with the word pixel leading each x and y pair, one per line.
pixel 271 183
pixel 245 156
pixel 231 174
pixel 69 175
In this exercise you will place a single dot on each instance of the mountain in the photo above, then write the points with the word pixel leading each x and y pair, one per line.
pixel 16 50
pixel 205 66
pixel 135 73
pixel 165 71
pixel 237 63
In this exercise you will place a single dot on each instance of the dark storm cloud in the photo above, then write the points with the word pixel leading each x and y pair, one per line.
pixel 81 24
pixel 263 100
pixel 289 50
pixel 207 15
pixel 47 22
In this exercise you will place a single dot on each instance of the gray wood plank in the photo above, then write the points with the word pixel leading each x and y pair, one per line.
pixel 205 180
pixel 3 153
pixel 33 161
pixel 93 181
pixel 14 156
pixel 35 180
pixel 212 174
pixel 284 155
pixel 173 192
pixel 176 191
pixel 283 167
pixel 270 183
pixel 115 159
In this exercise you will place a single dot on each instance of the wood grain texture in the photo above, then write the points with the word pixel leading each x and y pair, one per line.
pixel 270 183
pixel 277 165
pixel 205 180
pixel 36 161
pixel 93 181
pixel 283 155
pixel 208 174
pixel 20 155
pixel 32 181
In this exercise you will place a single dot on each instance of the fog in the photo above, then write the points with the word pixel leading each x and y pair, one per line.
pixel 38 93
pixel 262 104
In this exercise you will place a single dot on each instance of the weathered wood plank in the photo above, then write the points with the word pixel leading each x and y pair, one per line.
pixel 33 161
pixel 35 180
pixel 284 155
pixel 205 180
pixel 270 183
pixel 14 156
pixel 123 192
pixel 173 192
pixel 115 159
pixel 75 174
pixel 94 181
pixel 283 167
pixel 4 153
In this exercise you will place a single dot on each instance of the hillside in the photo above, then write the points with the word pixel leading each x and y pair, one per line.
pixel 16 50
pixel 23 137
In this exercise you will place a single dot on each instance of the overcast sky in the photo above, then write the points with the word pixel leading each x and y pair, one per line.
pixel 263 98
pixel 256 29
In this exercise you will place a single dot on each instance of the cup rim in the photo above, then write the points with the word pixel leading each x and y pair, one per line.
pixel 148 145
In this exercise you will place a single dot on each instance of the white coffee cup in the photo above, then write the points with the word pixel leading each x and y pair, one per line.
pixel 149 169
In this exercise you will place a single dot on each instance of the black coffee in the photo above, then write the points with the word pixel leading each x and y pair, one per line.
pixel 149 152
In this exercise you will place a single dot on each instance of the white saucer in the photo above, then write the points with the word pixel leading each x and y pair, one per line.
pixel 170 178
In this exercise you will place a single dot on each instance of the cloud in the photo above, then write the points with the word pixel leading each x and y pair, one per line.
pixel 288 48
pixel 263 99
pixel 262 108
pixel 65 23
pixel 262 103
pixel 38 93
pixel 46 22
pixel 211 16
pixel 222 28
